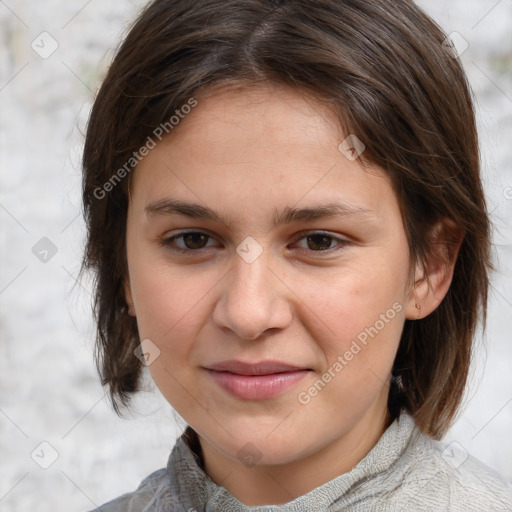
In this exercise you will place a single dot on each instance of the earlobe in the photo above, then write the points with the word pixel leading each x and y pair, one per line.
pixel 128 298
pixel 432 280
pixel 419 293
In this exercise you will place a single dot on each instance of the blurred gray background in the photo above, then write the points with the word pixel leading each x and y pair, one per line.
pixel 61 446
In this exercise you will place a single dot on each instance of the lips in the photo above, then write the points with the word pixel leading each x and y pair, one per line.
pixel 255 381
pixel 263 368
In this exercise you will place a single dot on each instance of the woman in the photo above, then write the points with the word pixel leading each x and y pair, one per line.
pixel 287 223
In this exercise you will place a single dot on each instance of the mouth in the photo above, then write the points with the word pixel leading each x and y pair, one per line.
pixel 255 381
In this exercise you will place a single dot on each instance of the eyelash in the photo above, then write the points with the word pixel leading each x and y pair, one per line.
pixel 167 242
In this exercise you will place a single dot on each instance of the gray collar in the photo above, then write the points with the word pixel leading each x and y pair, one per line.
pixel 197 491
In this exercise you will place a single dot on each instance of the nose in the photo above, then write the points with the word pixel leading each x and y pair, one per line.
pixel 254 299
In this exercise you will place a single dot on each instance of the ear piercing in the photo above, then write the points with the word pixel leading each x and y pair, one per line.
pixel 418 307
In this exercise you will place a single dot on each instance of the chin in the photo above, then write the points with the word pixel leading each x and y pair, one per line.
pixel 262 444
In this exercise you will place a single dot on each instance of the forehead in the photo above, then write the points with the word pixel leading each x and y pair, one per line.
pixel 261 146
pixel 279 114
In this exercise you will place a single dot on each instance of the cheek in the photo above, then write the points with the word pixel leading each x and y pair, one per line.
pixel 357 317
pixel 171 310
pixel 169 303
pixel 346 302
pixel 169 299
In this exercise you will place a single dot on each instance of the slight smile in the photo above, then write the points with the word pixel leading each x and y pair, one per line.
pixel 255 381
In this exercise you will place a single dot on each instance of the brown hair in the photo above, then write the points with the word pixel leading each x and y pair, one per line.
pixel 382 67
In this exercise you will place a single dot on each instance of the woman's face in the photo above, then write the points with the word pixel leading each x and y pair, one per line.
pixel 295 255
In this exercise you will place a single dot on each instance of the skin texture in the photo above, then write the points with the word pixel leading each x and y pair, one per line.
pixel 247 155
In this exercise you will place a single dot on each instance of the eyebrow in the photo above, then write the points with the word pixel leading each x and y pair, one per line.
pixel 287 216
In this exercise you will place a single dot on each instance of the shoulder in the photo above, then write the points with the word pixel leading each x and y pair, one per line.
pixel 165 490
pixel 446 477
pixel 154 494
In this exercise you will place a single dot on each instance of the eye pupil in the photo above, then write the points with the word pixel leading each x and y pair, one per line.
pixel 320 241
pixel 195 240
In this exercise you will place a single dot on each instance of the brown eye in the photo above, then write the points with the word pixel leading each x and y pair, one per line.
pixel 195 240
pixel 321 242
pixel 190 241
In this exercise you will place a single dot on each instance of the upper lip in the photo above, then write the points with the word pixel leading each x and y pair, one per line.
pixel 260 368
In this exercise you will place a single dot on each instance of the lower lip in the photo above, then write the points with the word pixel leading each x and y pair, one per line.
pixel 256 387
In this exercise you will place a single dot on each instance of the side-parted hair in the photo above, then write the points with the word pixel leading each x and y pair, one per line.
pixel 384 68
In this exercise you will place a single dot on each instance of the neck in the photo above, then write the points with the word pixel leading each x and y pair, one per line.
pixel 277 484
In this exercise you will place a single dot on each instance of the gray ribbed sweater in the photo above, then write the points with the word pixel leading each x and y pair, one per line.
pixel 405 471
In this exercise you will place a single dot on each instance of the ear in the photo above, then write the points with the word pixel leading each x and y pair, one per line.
pixel 128 297
pixel 433 279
